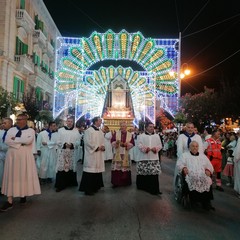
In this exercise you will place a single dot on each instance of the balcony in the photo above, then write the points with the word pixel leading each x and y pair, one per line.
pixel 49 50
pixel 25 63
pixel 40 78
pixel 24 20
pixel 39 38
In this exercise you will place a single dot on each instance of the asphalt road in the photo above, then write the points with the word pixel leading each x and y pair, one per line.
pixel 120 214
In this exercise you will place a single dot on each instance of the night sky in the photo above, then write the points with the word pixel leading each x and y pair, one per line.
pixel 210 30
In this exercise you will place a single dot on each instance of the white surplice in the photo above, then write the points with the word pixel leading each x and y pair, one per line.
pixel 20 178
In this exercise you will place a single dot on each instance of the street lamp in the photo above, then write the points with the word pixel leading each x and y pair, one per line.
pixel 184 71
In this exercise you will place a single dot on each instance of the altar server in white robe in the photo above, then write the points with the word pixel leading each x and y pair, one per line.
pixel 6 125
pixel 148 165
pixel 94 165
pixel 68 137
pixel 46 148
pixel 20 178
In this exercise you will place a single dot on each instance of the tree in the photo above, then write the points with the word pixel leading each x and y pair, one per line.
pixel 202 108
pixel 7 103
pixel 229 97
pixel 44 116
pixel 180 118
pixel 30 104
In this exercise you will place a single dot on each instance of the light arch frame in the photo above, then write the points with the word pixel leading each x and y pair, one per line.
pixel 75 56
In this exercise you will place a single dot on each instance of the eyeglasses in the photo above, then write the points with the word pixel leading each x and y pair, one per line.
pixel 19 119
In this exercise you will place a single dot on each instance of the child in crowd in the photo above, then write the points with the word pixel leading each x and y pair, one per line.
pixel 228 169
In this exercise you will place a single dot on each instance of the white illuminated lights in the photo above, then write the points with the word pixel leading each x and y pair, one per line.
pixel 85 90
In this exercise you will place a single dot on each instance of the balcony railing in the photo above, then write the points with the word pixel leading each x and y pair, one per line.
pixel 40 38
pixel 25 63
pixel 41 78
pixel 49 50
pixel 24 20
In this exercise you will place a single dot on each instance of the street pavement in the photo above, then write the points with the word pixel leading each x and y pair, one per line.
pixel 119 214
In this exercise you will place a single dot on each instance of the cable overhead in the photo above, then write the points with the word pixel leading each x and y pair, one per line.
pixel 177 15
pixel 213 25
pixel 195 16
pixel 86 15
pixel 215 65
pixel 203 49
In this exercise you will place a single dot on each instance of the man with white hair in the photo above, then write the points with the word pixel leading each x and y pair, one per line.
pixel 197 170
pixel 183 141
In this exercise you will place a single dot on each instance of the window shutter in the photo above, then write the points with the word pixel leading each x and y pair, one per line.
pixel 15 86
pixel 17 46
pixel 22 86
pixel 22 4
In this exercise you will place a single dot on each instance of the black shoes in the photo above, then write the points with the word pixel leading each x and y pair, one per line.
pixel 6 206
pixel 49 180
pixel 156 193
pixel 44 181
pixel 23 200
pixel 89 193
pixel 219 188
pixel 209 207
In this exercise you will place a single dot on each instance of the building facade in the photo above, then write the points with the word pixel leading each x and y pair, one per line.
pixel 27 49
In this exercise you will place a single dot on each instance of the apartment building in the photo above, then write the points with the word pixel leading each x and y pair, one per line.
pixel 27 49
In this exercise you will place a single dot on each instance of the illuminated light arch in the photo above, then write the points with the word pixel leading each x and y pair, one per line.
pixel 85 90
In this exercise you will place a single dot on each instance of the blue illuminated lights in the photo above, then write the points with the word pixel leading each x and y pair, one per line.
pixel 78 87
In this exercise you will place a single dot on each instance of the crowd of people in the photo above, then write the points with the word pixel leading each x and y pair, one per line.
pixel 29 160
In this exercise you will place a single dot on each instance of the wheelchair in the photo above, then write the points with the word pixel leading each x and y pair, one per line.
pixel 188 199
pixel 181 193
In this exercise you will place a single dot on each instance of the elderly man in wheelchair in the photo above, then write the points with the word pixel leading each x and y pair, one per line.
pixel 193 185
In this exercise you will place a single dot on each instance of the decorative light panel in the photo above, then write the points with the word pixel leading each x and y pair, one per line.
pixel 84 89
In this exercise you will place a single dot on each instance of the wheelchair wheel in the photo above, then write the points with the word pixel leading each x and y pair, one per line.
pixel 178 195
pixel 186 202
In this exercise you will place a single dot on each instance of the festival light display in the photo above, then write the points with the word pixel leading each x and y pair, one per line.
pixel 79 87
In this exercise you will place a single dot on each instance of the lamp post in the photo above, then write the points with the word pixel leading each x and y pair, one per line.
pixel 184 70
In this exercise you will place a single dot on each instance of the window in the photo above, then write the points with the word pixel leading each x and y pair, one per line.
pixel 36 59
pixel 22 4
pixel 39 25
pixel 39 97
pixel 18 88
pixel 21 47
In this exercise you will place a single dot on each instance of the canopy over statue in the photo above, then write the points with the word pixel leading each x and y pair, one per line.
pixel 123 91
